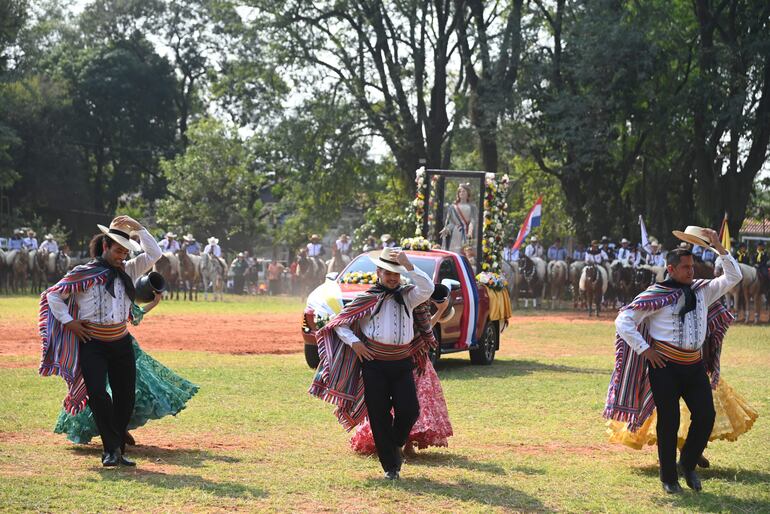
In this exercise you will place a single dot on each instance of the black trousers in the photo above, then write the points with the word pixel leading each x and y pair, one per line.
pixel 668 384
pixel 114 361
pixel 390 385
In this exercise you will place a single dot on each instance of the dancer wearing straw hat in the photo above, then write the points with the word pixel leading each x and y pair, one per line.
pixel 84 332
pixel 668 343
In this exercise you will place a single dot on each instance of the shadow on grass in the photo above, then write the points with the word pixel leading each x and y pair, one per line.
pixel 459 369
pixel 459 461
pixel 179 481
pixel 186 457
pixel 743 476
pixel 492 495
pixel 710 502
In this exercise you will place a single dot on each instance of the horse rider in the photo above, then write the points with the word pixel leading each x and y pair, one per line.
pixel 169 243
pixel 634 257
pixel 371 244
pixel 30 242
pixel 509 254
pixel 388 241
pixel 192 248
pixel 213 249
pixel 579 253
pixel 238 268
pixel 534 248
pixel 595 255
pixel 343 244
pixel 608 248
pixel 624 251
pixel 760 262
pixel 697 253
pixel 556 252
pixel 742 254
pixel 49 245
pixel 315 249
pixel 709 256
pixel 655 257
pixel 16 242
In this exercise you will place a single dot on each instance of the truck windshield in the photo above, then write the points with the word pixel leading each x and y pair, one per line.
pixel 364 264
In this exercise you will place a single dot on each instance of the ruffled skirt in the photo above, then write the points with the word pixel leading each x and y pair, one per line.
pixel 159 392
pixel 432 427
pixel 734 416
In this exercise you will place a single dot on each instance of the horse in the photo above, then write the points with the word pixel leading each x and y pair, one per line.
pixel 748 288
pixel 17 264
pixel 623 277
pixel 513 275
pixel 310 271
pixel 593 285
pixel 338 261
pixel 575 270
pixel 212 272
pixel 62 264
pixel 38 267
pixel 168 266
pixel 703 269
pixel 533 278
pixel 643 277
pixel 189 273
pixel 557 281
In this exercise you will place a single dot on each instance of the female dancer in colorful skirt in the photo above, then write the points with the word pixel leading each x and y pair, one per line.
pixel 159 392
pixel 432 427
pixel 734 416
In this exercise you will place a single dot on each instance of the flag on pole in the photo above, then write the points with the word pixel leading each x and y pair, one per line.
pixel 724 234
pixel 645 240
pixel 531 221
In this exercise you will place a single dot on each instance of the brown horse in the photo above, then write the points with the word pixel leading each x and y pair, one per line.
pixel 310 272
pixel 38 270
pixel 593 285
pixel 189 272
pixel 168 266
pixel 17 266
pixel 623 279
pixel 557 281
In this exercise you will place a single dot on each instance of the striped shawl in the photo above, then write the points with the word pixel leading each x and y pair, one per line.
pixel 60 345
pixel 629 397
pixel 338 379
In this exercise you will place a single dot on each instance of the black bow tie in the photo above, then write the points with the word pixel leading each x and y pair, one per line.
pixel 112 274
pixel 385 292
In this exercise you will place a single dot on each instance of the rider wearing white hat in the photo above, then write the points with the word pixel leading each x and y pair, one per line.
pixel 191 245
pixel 169 243
pixel 534 248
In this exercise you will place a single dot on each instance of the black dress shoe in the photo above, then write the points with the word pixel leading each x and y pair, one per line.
pixel 703 462
pixel 111 458
pixel 672 487
pixel 691 477
pixel 126 462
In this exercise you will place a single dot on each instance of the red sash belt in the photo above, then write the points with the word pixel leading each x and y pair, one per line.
pixel 676 354
pixel 389 352
pixel 108 333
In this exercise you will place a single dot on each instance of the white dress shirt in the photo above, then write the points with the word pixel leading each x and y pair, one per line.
pixel 656 259
pixel 533 251
pixel 343 247
pixel 623 253
pixel 391 325
pixel 215 249
pixel 666 325
pixel 30 243
pixel 597 258
pixel 314 249
pixel 96 304
pixel 169 245
pixel 49 246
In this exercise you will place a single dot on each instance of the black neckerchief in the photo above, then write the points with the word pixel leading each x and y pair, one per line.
pixel 384 292
pixel 112 274
pixel 689 295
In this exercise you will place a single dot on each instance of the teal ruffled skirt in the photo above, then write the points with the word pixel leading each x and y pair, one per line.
pixel 159 392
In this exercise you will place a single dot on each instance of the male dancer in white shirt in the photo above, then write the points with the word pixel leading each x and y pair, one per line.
pixel 388 329
pixel 85 335
pixel 667 325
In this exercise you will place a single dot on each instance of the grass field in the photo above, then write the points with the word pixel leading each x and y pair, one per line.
pixel 528 436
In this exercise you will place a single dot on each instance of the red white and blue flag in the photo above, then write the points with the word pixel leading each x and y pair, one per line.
pixel 531 221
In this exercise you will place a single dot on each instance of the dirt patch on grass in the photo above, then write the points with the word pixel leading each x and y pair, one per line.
pixel 238 334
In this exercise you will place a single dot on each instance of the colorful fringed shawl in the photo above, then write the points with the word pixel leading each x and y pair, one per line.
pixel 629 398
pixel 60 345
pixel 338 379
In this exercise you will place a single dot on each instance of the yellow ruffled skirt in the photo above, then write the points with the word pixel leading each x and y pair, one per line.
pixel 734 416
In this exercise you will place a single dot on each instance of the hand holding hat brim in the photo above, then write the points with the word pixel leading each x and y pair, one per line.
pixel 689 236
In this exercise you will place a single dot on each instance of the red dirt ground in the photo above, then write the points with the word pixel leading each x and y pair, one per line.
pixel 238 334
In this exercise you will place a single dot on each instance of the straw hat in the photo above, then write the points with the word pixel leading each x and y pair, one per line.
pixel 387 261
pixel 49 236
pixel 694 235
pixel 120 234
pixel 171 235
pixel 386 237
pixel 213 240
pixel 188 237
pixel 624 240
pixel 315 237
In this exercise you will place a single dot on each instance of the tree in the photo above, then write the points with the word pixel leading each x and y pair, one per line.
pixel 12 17
pixel 212 188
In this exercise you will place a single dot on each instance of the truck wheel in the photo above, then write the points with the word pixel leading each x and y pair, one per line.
pixel 484 353
pixel 311 356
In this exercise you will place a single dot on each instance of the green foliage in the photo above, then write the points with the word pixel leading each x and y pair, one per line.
pixel 213 189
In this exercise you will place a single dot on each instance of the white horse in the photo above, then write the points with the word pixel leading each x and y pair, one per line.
pixel 747 289
pixel 511 273
pixel 212 272
pixel 575 270
pixel 17 267
pixel 533 272
pixel 557 281
pixel 589 277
